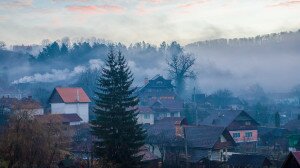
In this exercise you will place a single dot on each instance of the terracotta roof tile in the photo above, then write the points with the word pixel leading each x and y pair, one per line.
pixel 73 95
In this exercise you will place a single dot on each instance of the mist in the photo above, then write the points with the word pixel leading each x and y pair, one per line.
pixel 271 61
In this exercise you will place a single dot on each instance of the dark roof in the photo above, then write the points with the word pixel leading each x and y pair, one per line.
pixel 159 81
pixel 203 136
pixel 165 124
pixel 165 127
pixel 224 117
pixel 200 136
pixel 63 118
pixel 244 160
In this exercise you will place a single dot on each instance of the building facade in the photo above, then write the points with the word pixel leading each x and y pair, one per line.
pixel 158 100
pixel 70 101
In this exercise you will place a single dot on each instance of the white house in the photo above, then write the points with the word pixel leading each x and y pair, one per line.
pixel 70 101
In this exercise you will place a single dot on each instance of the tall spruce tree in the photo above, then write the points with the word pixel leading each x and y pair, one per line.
pixel 120 136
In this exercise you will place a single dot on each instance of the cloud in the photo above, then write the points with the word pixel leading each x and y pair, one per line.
pixel 71 0
pixel 96 9
pixel 16 3
pixel 286 3
pixel 191 4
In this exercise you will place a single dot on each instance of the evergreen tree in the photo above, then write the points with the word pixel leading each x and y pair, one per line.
pixel 120 137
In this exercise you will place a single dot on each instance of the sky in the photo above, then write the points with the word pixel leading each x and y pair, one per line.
pixel 153 21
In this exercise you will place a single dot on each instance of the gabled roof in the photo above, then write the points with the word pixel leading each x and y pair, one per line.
pixel 158 82
pixel 245 160
pixel 71 95
pixel 203 136
pixel 165 127
pixel 224 117
pixel 200 136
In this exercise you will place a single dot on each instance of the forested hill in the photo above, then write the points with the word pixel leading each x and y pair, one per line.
pixel 274 41
pixel 222 63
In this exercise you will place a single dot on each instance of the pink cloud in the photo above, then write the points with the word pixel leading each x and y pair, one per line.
pixel 191 4
pixel 286 3
pixel 96 9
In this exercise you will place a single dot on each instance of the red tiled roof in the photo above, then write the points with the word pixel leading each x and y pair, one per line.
pixel 73 95
pixel 297 156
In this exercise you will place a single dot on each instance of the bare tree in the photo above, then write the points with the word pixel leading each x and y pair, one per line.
pixel 28 143
pixel 180 66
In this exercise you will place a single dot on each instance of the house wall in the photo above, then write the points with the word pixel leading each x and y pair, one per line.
pixel 57 108
pixel 143 120
pixel 82 109
pixel 242 137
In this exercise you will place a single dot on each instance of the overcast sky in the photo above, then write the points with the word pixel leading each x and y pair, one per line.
pixel 154 21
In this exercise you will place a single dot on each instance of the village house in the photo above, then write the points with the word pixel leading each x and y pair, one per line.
pixel 158 100
pixel 181 143
pixel 242 127
pixel 70 101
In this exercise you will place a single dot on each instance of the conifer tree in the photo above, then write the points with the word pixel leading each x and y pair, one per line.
pixel 119 135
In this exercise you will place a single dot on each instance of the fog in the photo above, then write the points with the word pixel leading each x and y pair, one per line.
pixel 272 61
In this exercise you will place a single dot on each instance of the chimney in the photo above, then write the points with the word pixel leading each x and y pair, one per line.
pixel 78 98
pixel 146 80
pixel 179 132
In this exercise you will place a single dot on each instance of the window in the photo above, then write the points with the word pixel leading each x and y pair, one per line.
pixel 247 123
pixel 236 135
pixel 248 134
pixel 146 116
